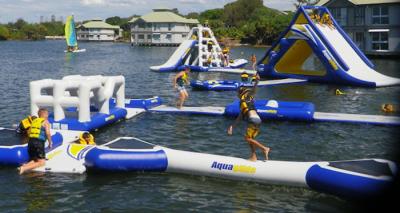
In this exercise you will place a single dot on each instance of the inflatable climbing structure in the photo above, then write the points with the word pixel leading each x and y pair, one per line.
pixel 315 47
pixel 201 52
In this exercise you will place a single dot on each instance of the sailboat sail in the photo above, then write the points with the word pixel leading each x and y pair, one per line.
pixel 70 35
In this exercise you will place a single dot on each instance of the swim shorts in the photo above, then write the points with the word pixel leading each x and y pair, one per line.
pixel 253 127
pixel 36 149
pixel 181 88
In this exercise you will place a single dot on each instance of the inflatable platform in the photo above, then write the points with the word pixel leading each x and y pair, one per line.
pixel 201 52
pixel 224 85
pixel 352 179
pixel 282 110
pixel 14 153
pixel 314 47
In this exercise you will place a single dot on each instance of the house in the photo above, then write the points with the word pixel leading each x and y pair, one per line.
pixel 161 27
pixel 374 25
pixel 97 30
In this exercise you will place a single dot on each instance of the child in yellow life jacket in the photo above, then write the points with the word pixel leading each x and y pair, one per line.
pixel 179 82
pixel 87 139
pixel 326 19
pixel 38 134
pixel 248 112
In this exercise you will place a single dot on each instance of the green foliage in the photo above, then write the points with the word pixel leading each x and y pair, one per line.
pixel 4 33
pixel 22 30
pixel 247 20
pixel 299 3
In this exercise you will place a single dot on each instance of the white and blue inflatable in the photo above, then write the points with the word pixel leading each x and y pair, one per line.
pixel 320 52
pixel 196 53
pixel 86 103
pixel 353 179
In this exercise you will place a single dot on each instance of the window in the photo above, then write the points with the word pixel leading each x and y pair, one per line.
pixel 359 16
pixel 168 36
pixel 380 15
pixel 140 36
pixel 183 35
pixel 149 36
pixel 141 25
pixel 170 26
pixel 156 36
pixel 340 14
pixel 380 40
pixel 359 38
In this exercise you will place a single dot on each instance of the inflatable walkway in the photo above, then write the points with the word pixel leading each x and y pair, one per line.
pixel 224 85
pixel 354 179
pixel 351 179
pixel 201 52
pixel 315 47
pixel 282 110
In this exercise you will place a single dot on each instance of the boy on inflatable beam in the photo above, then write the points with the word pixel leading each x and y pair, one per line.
pixel 248 112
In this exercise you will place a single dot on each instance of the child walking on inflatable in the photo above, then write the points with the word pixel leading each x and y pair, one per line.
pixel 248 112
pixel 179 82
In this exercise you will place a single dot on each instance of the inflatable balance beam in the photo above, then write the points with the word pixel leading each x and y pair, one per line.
pixel 283 110
pixel 353 179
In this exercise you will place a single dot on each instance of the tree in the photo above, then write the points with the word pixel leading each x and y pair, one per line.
pixel 193 15
pixel 237 12
pixel 20 23
pixel 305 2
pixel 4 33
pixel 115 20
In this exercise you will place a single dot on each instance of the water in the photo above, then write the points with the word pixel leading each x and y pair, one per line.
pixel 22 62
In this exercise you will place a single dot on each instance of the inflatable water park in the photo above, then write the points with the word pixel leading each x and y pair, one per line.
pixel 201 52
pixel 314 47
pixel 80 104
pixel 86 103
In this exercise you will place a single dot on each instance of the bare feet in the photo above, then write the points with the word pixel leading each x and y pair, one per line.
pixel 20 170
pixel 253 157
pixel 266 151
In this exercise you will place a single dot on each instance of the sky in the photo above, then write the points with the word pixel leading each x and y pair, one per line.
pixel 32 10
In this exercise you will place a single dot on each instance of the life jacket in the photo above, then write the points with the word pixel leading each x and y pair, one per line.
pixel 83 141
pixel 24 125
pixel 182 79
pixel 26 122
pixel 246 102
pixel 37 130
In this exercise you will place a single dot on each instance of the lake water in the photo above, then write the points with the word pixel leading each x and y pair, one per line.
pixel 21 62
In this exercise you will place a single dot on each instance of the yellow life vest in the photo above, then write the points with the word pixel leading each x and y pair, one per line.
pixel 83 141
pixel 27 122
pixel 37 130
pixel 246 103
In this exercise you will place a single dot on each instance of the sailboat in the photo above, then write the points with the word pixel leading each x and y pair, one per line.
pixel 70 36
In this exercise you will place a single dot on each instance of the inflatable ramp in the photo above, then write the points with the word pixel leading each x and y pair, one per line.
pixel 201 52
pixel 177 57
pixel 315 47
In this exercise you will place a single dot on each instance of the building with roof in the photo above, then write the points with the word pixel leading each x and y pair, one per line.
pixel 161 27
pixel 98 30
pixel 374 25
